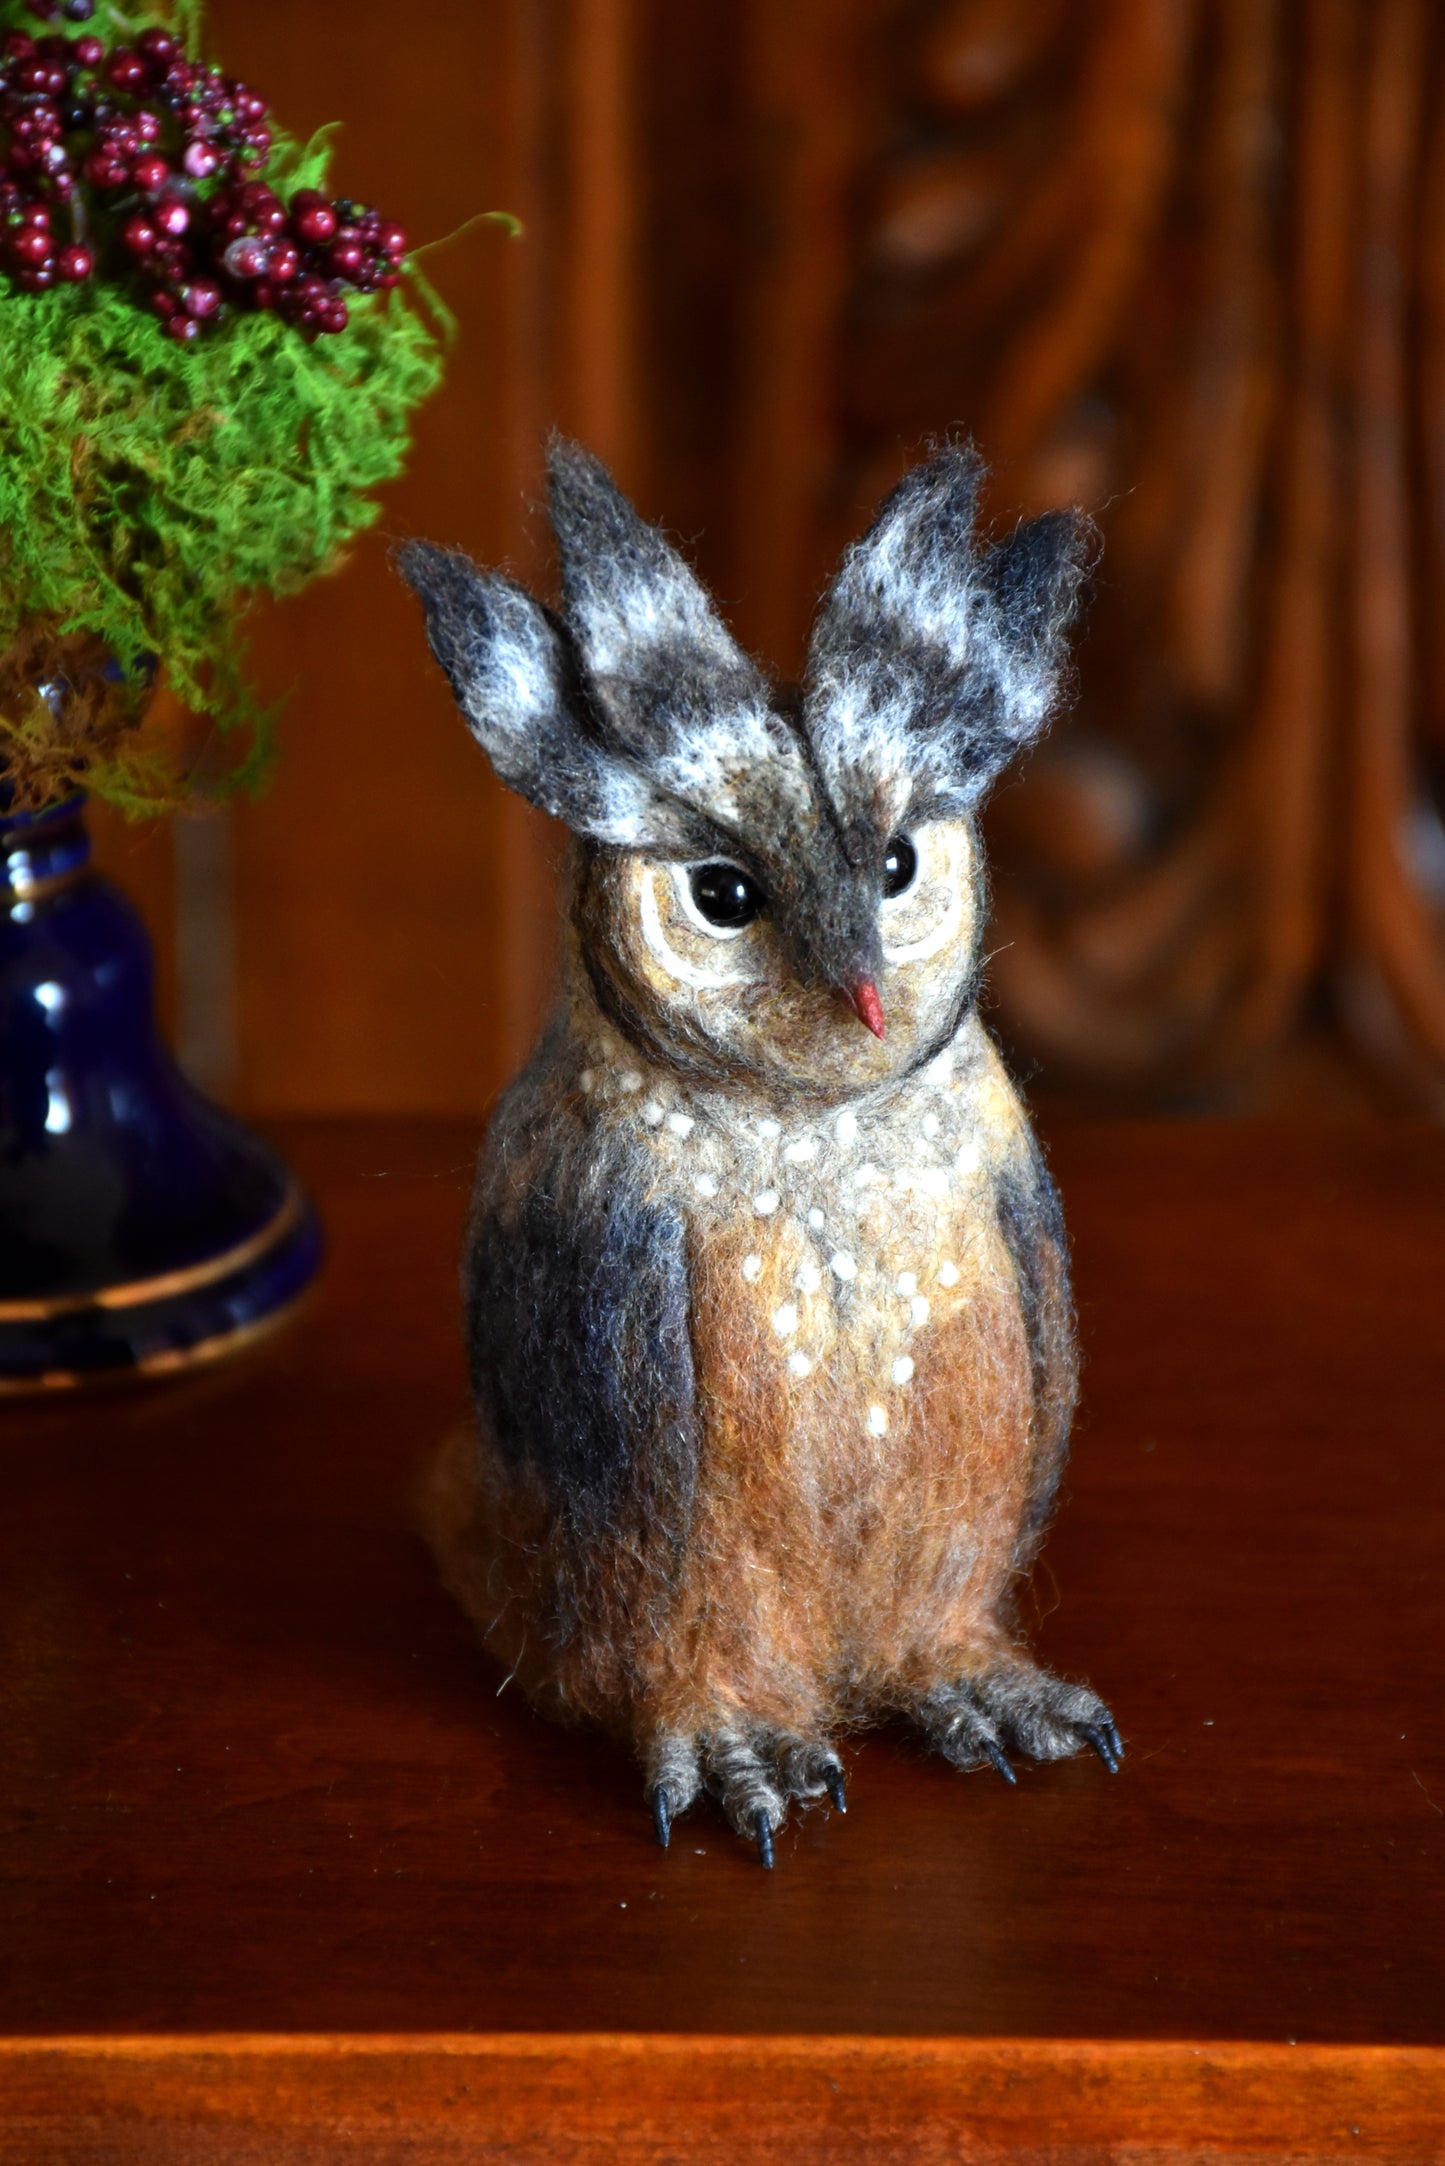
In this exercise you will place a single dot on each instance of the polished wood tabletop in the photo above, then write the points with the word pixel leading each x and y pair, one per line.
pixel 261 1795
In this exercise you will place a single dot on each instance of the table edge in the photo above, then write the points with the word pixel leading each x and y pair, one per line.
pixel 544 2097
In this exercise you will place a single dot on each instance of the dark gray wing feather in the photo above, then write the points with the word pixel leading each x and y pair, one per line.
pixel 577 1315
pixel 1031 1219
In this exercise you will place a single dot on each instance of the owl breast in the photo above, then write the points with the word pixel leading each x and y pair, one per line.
pixel 861 1361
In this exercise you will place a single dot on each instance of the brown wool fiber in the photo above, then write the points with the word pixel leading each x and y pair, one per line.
pixel 769 1319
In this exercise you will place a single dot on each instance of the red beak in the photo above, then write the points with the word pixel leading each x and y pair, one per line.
pixel 867 1006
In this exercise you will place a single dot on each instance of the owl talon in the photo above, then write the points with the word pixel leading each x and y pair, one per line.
pixel 657 1798
pixel 765 1841
pixel 999 1760
pixel 1024 1708
pixel 1105 1740
pixel 833 1777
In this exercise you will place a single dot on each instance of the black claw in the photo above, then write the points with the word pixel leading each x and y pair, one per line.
pixel 999 1760
pixel 833 1781
pixel 1105 1741
pixel 1111 1729
pixel 661 1805
pixel 765 1839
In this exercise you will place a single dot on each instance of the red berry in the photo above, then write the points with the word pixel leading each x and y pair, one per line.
pixel 346 255
pixel 199 159
pixel 202 297
pixel 247 257
pixel 156 45
pixel 88 51
pixel 32 244
pixel 387 279
pixel 75 263
pixel 126 69
pixel 17 46
pixel 104 171
pixel 171 214
pixel 285 262
pixel 164 304
pixel 148 125
pixel 150 172
pixel 264 294
pixel 312 218
pixel 183 327
pixel 37 277
pixel 334 316
pixel 392 241
pixel 139 234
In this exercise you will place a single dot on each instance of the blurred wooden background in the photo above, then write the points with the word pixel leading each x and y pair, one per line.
pixel 1178 260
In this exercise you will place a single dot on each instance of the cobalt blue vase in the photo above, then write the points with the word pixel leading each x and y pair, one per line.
pixel 142 1230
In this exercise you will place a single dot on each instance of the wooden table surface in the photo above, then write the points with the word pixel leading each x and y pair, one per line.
pixel 280 1862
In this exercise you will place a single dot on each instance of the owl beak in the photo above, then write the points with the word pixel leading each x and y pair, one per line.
pixel 864 1001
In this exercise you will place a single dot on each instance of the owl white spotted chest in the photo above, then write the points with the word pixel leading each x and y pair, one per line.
pixel 767 1300
pixel 849 1286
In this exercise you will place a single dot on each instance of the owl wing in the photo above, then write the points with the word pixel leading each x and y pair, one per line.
pixel 1031 1220
pixel 577 1317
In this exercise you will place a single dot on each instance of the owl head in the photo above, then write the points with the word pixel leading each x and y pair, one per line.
pixel 771 882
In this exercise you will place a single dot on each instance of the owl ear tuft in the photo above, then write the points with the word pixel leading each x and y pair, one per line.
pixel 933 661
pixel 631 602
pixel 512 671
pixel 668 685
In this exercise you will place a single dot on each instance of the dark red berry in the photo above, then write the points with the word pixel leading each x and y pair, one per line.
pixel 264 294
pixel 126 69
pixel 139 234
pixel 75 263
pixel 17 46
pixel 164 304
pixel 172 215
pixel 88 51
pixel 157 45
pixel 183 327
pixel 32 244
pixel 312 218
pixel 345 256
pixel 285 262
pixel 202 297
pixel 37 277
pixel 247 257
pixel 150 172
pixel 334 316
pixel 104 171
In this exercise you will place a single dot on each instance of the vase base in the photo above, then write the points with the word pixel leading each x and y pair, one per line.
pixel 166 1324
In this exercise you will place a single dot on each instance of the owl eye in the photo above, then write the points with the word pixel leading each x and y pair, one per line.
pixel 725 896
pixel 900 867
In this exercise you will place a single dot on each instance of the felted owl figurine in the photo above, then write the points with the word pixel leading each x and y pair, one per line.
pixel 767 1296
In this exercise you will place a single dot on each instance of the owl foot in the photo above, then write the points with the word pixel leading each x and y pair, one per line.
pixel 753 1773
pixel 1038 1715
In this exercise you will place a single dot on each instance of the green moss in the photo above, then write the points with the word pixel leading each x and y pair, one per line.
pixel 148 489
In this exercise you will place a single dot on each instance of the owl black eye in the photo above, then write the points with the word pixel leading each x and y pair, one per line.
pixel 900 866
pixel 725 895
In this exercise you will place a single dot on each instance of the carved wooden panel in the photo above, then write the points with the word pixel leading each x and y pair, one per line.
pixel 1180 260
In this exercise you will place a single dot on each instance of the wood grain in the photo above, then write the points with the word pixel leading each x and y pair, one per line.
pixel 265 1809
pixel 803 2101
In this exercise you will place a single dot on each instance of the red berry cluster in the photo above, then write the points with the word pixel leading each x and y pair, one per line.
pixel 134 157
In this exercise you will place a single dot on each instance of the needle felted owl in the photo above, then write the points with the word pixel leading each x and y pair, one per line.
pixel 767 1296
